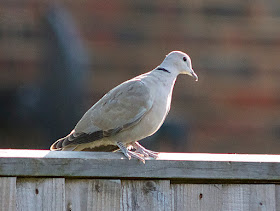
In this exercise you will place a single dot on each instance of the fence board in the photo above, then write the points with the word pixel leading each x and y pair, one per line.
pixel 181 181
pixel 196 197
pixel 8 193
pixel 35 194
pixel 145 195
pixel 89 194
pixel 249 197
pixel 236 197
pixel 174 166
pixel 277 196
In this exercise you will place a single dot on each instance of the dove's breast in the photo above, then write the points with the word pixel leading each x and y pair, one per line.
pixel 161 94
pixel 154 118
pixel 161 106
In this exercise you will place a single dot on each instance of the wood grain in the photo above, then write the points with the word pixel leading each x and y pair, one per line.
pixel 145 195
pixel 249 197
pixel 8 193
pixel 35 194
pixel 277 196
pixel 89 194
pixel 196 197
pixel 235 197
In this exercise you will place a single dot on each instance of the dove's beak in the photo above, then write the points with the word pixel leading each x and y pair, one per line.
pixel 192 73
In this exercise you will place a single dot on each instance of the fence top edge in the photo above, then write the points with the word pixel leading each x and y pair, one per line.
pixel 30 153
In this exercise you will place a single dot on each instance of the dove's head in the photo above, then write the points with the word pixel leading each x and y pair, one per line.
pixel 179 63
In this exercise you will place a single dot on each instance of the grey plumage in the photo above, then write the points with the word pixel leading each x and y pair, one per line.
pixel 130 112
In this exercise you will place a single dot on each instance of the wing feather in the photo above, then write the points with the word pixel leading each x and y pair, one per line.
pixel 118 110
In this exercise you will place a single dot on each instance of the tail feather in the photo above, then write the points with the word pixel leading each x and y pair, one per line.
pixel 59 146
pixel 73 142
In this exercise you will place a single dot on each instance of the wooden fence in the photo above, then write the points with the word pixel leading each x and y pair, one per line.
pixel 43 180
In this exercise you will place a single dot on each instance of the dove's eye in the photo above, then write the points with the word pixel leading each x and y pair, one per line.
pixel 185 59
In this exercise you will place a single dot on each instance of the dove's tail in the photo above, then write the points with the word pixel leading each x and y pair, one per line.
pixel 54 146
pixel 58 145
pixel 73 142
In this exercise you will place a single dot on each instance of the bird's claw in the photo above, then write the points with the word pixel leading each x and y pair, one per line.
pixel 137 156
pixel 142 150
pixel 129 153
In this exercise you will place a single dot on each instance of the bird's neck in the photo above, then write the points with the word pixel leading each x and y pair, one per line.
pixel 163 78
pixel 164 74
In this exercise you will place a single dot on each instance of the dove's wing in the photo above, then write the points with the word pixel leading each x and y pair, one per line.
pixel 120 109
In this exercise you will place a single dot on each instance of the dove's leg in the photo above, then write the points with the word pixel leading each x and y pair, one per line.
pixel 130 154
pixel 142 150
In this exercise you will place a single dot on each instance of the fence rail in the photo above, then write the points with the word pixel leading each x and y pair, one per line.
pixel 44 180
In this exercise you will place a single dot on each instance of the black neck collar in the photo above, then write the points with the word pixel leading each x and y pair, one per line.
pixel 163 69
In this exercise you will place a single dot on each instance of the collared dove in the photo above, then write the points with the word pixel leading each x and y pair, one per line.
pixel 130 112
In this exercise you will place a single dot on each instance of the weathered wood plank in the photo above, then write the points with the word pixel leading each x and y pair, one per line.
pixel 249 197
pixel 8 193
pixel 237 197
pixel 174 166
pixel 145 195
pixel 40 194
pixel 277 196
pixel 88 194
pixel 196 197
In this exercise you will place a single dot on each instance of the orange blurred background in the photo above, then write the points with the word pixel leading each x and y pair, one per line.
pixel 57 58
